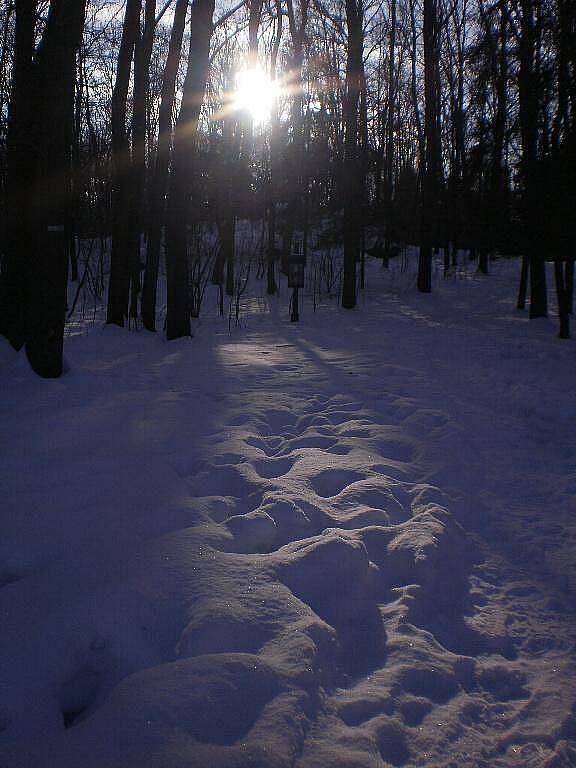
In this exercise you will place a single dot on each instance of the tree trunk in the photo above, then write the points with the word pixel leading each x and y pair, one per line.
pixel 42 107
pixel 430 184
pixel 295 191
pixel 498 183
pixel 160 176
pixel 185 137
pixel 560 273
pixel 389 185
pixel 529 98
pixel 142 56
pixel 271 287
pixel 523 286
pixel 352 182
pixel 20 179
pixel 122 204
pixel 414 85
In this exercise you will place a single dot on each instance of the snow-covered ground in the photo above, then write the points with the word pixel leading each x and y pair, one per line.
pixel 342 543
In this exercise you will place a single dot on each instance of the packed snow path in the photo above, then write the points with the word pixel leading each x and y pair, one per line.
pixel 346 543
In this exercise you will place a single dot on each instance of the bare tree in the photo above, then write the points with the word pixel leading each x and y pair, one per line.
pixel 352 168
pixel 35 270
pixel 185 146
pixel 433 159
pixel 123 208
pixel 159 179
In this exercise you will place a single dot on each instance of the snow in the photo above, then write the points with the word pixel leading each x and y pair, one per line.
pixel 346 542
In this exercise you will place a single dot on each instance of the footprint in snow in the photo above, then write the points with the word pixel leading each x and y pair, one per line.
pixel 311 441
pixel 269 445
pixel 270 469
pixel 397 450
pixel 331 482
pixel 392 743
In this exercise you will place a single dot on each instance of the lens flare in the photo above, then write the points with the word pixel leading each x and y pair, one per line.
pixel 255 93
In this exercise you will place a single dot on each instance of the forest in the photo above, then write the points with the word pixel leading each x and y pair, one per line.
pixel 287 445
pixel 445 124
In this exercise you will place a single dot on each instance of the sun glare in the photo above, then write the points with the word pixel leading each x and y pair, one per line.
pixel 255 94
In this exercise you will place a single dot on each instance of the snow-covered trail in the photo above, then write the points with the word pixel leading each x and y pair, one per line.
pixel 312 545
pixel 477 445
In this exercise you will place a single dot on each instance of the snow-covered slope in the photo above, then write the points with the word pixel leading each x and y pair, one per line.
pixel 343 543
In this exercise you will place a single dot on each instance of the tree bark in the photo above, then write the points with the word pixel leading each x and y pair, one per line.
pixel 498 183
pixel 352 181
pixel 529 102
pixel 389 186
pixel 271 287
pixel 185 138
pixel 122 203
pixel 20 162
pixel 43 110
pixel 295 192
pixel 560 273
pixel 432 170
pixel 159 181
pixel 142 56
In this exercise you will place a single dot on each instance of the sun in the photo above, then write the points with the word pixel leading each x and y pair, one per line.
pixel 255 93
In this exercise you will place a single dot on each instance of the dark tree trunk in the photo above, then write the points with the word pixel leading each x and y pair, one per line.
pixel 529 107
pixel 498 183
pixel 560 273
pixel 142 56
pixel 21 169
pixel 122 203
pixel 160 175
pixel 227 222
pixel 363 166
pixel 254 14
pixel 295 190
pixel 185 137
pixel 271 287
pixel 389 185
pixel 523 285
pixel 223 273
pixel 431 178
pixel 42 107
pixel 414 85
pixel 352 170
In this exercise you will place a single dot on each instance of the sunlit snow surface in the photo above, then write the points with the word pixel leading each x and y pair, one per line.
pixel 343 543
